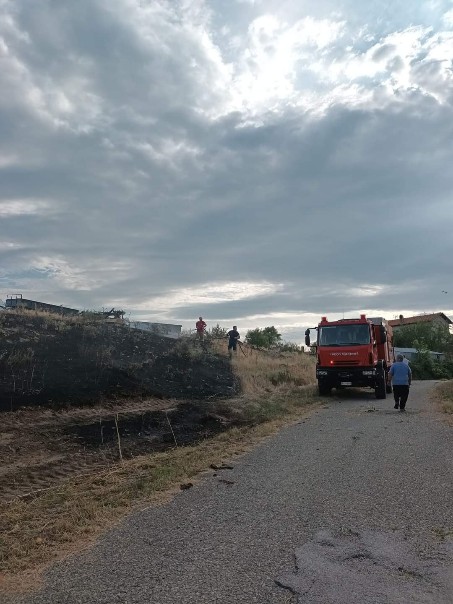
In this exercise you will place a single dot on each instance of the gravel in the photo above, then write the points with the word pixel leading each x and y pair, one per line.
pixel 353 468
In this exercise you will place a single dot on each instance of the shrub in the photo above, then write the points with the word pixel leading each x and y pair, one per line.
pixel 218 332
pixel 290 347
pixel 263 338
pixel 424 336
pixel 424 367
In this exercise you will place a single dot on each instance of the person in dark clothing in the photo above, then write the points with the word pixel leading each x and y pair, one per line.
pixel 233 337
pixel 400 375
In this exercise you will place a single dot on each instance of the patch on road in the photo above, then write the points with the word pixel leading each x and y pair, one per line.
pixel 368 568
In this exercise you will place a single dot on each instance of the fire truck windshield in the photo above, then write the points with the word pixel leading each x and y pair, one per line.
pixel 344 335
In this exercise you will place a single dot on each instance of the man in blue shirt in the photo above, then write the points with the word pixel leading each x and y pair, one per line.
pixel 400 375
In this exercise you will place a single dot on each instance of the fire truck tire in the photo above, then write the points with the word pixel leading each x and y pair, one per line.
pixel 324 389
pixel 380 390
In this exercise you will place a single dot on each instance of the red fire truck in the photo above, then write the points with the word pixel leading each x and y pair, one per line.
pixel 353 352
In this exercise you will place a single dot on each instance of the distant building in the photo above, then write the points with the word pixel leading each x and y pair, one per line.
pixel 411 353
pixel 17 301
pixel 166 330
pixel 435 319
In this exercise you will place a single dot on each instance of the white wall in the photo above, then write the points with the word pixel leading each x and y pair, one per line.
pixel 161 329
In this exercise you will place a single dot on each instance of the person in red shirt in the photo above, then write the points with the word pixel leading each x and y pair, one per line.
pixel 200 326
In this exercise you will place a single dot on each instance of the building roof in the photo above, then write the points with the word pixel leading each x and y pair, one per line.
pixel 420 319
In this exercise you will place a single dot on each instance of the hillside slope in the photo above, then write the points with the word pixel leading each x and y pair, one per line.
pixel 49 360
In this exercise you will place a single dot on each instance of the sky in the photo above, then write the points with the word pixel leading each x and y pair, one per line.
pixel 255 162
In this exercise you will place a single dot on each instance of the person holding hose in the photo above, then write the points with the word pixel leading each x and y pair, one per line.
pixel 400 375
pixel 233 337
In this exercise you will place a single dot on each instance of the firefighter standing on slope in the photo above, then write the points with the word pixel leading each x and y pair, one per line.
pixel 233 337
pixel 200 326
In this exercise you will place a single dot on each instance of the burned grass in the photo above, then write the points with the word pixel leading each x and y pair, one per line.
pixel 54 361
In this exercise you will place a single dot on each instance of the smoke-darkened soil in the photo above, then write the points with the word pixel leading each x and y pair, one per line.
pixel 58 362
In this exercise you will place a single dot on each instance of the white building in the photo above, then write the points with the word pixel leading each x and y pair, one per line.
pixel 411 354
pixel 165 330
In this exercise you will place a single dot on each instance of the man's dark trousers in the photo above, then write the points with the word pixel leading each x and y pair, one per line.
pixel 400 394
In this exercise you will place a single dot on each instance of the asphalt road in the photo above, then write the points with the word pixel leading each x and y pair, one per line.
pixel 377 483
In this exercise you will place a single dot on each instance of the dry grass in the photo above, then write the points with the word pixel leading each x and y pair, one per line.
pixel 444 395
pixel 38 530
pixel 261 372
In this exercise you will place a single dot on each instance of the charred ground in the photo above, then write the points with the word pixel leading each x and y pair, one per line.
pixel 71 388
pixel 56 361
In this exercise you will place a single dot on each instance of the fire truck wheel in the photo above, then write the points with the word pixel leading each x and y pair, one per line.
pixel 380 390
pixel 324 389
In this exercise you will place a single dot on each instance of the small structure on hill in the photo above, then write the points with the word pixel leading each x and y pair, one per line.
pixel 167 330
pixel 114 315
pixel 16 301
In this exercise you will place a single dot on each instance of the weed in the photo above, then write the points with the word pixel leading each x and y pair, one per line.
pixel 19 357
pixel 444 396
pixel 443 533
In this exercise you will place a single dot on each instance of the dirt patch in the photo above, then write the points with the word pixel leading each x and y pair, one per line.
pixel 40 448
pixel 150 430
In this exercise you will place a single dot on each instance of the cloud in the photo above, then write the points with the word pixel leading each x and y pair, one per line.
pixel 251 161
pixel 22 207
pixel 209 293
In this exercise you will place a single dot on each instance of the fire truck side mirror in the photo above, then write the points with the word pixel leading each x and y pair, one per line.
pixel 307 338
pixel 382 334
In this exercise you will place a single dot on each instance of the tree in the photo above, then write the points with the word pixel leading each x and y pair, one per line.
pixel 424 336
pixel 218 332
pixel 263 338
pixel 290 347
